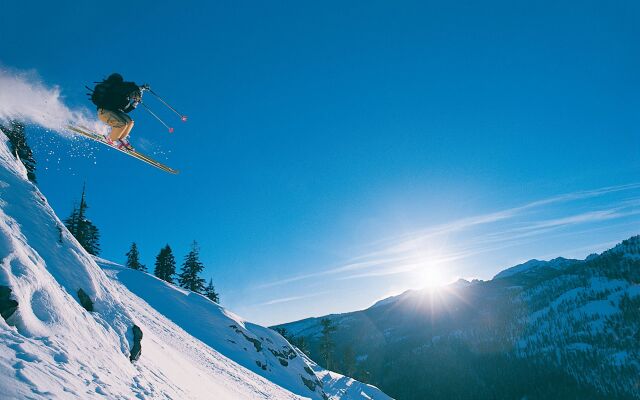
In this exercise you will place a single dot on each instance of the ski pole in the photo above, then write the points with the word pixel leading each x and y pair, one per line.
pixel 156 117
pixel 182 116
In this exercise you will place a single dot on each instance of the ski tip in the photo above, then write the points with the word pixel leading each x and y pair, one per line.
pixel 183 118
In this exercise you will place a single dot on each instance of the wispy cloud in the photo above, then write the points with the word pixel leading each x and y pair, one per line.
pixel 290 299
pixel 492 231
pixel 406 240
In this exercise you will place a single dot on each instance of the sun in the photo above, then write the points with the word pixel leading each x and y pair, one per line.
pixel 430 276
pixel 430 262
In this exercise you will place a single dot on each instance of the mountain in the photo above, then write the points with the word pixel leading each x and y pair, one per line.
pixel 77 327
pixel 533 266
pixel 558 329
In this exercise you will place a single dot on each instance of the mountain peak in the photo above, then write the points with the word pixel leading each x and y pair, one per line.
pixel 534 265
pixel 628 248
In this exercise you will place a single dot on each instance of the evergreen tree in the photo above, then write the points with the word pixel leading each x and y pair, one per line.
pixel 133 258
pixel 210 292
pixel 283 332
pixel 82 228
pixel 165 267
pixel 301 344
pixel 20 148
pixel 188 277
pixel 349 361
pixel 326 343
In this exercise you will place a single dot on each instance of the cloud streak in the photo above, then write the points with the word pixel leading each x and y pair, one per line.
pixel 502 229
pixel 290 299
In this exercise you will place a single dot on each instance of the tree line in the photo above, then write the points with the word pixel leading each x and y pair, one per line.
pixel 165 269
pixel 327 344
pixel 88 235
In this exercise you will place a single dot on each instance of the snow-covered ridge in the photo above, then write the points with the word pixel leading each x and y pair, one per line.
pixel 534 265
pixel 58 345
pixel 629 248
pixel 390 299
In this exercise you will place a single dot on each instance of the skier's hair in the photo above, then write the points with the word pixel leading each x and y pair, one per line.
pixel 115 77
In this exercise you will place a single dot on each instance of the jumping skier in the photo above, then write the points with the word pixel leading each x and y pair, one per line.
pixel 115 98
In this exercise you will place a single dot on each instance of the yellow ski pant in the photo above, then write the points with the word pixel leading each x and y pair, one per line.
pixel 120 123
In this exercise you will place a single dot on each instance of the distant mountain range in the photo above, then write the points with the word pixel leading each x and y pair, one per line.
pixel 559 329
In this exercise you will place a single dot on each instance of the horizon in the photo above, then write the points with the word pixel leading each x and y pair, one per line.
pixel 335 154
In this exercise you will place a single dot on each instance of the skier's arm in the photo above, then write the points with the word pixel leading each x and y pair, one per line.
pixel 134 95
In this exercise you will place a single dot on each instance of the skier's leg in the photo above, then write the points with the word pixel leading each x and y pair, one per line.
pixel 127 129
pixel 115 120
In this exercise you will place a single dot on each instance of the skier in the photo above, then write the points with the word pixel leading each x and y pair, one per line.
pixel 115 98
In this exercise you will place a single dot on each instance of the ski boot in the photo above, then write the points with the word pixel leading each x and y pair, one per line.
pixel 125 145
pixel 107 140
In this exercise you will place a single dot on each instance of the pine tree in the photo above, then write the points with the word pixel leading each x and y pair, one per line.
pixel 349 361
pixel 282 331
pixel 19 146
pixel 188 277
pixel 301 344
pixel 82 228
pixel 210 292
pixel 72 221
pixel 133 259
pixel 299 341
pixel 326 343
pixel 165 267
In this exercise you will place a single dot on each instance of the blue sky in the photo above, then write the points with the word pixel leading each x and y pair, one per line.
pixel 339 152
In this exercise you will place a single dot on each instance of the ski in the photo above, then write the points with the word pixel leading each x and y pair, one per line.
pixel 144 158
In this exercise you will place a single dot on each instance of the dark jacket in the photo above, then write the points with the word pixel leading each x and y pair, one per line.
pixel 115 95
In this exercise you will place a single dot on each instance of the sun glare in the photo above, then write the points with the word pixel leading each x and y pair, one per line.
pixel 431 277
pixel 430 262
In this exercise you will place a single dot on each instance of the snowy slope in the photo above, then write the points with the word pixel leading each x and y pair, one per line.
pixel 255 347
pixel 52 347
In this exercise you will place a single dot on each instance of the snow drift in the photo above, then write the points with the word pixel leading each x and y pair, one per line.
pixel 24 97
pixel 53 347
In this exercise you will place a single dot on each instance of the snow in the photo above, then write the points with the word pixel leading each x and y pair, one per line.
pixel 601 308
pixel 388 300
pixel 620 358
pixel 579 346
pixel 214 326
pixel 533 265
pixel 340 387
pixel 192 348
pixel 24 97
pixel 629 248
